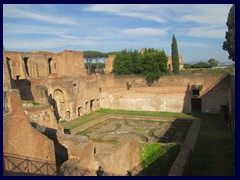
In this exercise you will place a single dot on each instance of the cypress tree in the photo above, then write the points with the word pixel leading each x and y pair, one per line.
pixel 175 56
pixel 229 44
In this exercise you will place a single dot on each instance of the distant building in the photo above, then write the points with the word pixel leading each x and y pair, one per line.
pixel 170 66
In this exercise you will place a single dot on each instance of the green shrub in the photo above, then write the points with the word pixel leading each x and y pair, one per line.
pixel 187 66
pixel 128 86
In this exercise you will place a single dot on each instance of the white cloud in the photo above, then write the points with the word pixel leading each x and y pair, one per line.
pixel 130 10
pixel 198 13
pixel 204 32
pixel 212 14
pixel 144 31
pixel 184 44
pixel 19 29
pixel 46 43
pixel 26 11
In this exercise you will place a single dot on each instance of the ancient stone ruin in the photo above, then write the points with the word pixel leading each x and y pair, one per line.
pixel 59 84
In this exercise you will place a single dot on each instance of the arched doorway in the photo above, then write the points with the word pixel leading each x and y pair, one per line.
pixel 60 100
pixel 26 65
pixel 49 65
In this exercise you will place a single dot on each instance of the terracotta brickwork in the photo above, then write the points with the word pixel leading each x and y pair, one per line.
pixel 60 83
pixel 19 137
pixel 109 63
pixel 170 67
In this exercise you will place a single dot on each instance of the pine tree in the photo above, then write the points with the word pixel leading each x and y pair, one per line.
pixel 229 44
pixel 175 56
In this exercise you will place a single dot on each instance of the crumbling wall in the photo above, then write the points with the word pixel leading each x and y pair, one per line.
pixel 43 115
pixel 122 160
pixel 216 96
pixel 109 63
pixel 6 74
pixel 70 63
pixel 16 65
pixel 170 93
pixel 80 150
pixel 19 137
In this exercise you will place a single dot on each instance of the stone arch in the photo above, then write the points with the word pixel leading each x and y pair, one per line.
pixel 26 65
pixel 50 65
pixel 59 99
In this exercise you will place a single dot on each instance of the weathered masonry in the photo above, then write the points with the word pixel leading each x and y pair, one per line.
pixel 60 79
pixel 59 82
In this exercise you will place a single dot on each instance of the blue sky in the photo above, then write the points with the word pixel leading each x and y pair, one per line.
pixel 199 29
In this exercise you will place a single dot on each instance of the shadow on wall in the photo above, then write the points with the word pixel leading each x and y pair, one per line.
pixel 209 99
pixel 216 95
pixel 53 103
pixel 61 153
pixel 12 82
pixel 24 87
pixel 187 100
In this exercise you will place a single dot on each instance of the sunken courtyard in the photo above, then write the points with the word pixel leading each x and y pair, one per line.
pixel 59 120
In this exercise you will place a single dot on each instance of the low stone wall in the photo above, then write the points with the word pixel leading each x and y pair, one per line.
pixel 181 165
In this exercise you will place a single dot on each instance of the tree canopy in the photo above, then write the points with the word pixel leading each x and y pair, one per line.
pixel 175 56
pixel 152 63
pixel 200 65
pixel 229 44
pixel 89 56
pixel 213 62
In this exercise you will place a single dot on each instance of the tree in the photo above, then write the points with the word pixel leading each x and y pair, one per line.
pixel 200 65
pixel 213 62
pixel 152 63
pixel 187 66
pixel 175 56
pixel 90 56
pixel 229 44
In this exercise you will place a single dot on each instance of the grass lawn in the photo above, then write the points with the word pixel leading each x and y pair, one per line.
pixel 214 151
pixel 96 114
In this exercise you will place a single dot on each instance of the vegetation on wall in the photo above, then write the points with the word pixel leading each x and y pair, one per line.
pixel 152 63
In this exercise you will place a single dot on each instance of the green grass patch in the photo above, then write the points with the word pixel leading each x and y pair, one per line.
pixel 150 133
pixel 96 114
pixel 182 128
pixel 82 120
pixel 30 104
pixel 157 158
pixel 214 153
pixel 139 128
pixel 117 126
pixel 113 140
pixel 146 113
